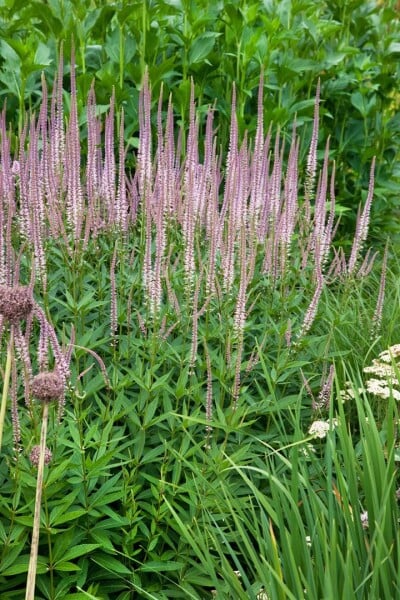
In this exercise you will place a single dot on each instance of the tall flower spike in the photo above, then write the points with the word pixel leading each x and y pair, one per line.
pixel 58 142
pixel 108 183
pixel 257 179
pixel 92 168
pixel 75 210
pixel 121 200
pixel 324 395
pixel 190 195
pixel 362 223
pixel 144 153
pixel 312 309
pixel 312 155
pixel 113 303
pixel 318 235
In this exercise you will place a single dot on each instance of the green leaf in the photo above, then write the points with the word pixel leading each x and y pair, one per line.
pixel 202 47
pixel 10 555
pixel 42 55
pixel 103 539
pixel 111 564
pixel 359 102
pixel 69 516
pixel 66 566
pixel 394 48
pixel 81 596
pixel 21 565
pixel 10 56
pixel 158 566
pixel 55 474
pixel 80 551
pixel 149 412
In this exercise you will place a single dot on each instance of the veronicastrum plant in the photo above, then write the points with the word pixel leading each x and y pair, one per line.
pixel 352 46
pixel 215 301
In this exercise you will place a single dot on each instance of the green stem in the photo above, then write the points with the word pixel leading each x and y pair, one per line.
pixel 6 383
pixel 143 39
pixel 121 57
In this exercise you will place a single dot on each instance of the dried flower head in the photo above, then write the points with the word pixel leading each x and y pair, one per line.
pixel 35 454
pixel 47 386
pixel 16 302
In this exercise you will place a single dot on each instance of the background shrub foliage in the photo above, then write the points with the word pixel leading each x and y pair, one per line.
pixel 184 466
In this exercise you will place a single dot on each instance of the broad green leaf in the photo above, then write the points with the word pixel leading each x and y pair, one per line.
pixel 9 55
pixel 359 102
pixel 394 47
pixel 202 46
pixel 42 55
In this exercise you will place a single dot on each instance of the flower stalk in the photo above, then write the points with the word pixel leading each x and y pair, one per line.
pixel 31 580
pixel 6 384
pixel 46 386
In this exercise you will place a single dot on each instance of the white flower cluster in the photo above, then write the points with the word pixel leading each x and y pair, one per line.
pixel 390 354
pixel 307 451
pixel 364 519
pixel 378 387
pixel 384 381
pixel 319 429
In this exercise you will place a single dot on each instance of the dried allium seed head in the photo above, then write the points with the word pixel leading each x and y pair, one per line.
pixel 47 386
pixel 35 454
pixel 16 302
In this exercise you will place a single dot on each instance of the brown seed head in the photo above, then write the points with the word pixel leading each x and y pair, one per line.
pixel 47 386
pixel 35 455
pixel 16 302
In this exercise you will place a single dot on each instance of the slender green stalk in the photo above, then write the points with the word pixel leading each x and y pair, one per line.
pixel 30 583
pixel 121 57
pixel 6 384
